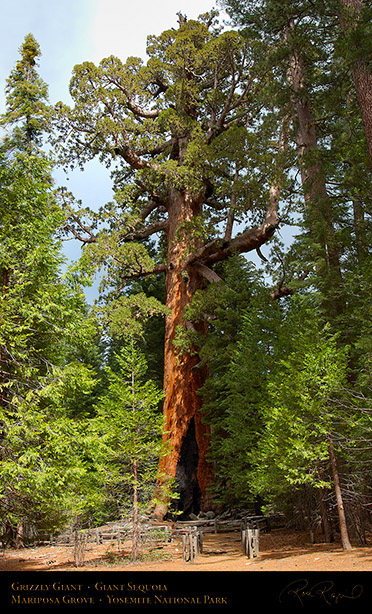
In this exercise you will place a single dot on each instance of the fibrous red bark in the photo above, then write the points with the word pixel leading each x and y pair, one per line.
pixel 362 74
pixel 182 376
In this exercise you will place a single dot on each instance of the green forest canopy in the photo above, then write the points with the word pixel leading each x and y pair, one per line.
pixel 218 142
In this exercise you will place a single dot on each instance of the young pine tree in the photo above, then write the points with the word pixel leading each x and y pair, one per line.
pixel 129 423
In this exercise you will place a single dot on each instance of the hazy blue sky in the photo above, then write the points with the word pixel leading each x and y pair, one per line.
pixel 73 31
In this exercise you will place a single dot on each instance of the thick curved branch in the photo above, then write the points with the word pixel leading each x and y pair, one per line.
pixel 220 249
pixel 133 158
pixel 140 112
pixel 254 237
pixel 249 240
pixel 150 207
pixel 207 273
pixel 159 268
pixel 147 231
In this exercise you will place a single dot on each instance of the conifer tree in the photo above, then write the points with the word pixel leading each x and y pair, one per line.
pixel 296 446
pixel 39 303
pixel 28 114
pixel 178 132
pixel 355 19
pixel 129 425
pixel 44 322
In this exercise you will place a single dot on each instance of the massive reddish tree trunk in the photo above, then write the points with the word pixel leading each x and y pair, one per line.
pixel 186 435
pixel 362 75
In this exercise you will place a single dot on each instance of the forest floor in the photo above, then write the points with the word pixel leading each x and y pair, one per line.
pixel 280 550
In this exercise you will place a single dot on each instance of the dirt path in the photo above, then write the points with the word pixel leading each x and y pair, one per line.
pixel 279 551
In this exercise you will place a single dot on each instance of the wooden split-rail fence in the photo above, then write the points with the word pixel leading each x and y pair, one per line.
pixel 102 535
pixel 192 534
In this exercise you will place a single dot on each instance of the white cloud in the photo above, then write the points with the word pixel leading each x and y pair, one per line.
pixel 121 27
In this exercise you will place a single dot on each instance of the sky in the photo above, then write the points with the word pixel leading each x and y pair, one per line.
pixel 70 32
pixel 73 31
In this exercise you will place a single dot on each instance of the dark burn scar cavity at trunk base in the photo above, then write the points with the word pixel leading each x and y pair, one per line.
pixel 186 478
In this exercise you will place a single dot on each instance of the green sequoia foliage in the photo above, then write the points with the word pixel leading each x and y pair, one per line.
pixel 178 122
pixel 214 114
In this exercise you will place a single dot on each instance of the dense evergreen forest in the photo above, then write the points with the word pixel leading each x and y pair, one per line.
pixel 198 380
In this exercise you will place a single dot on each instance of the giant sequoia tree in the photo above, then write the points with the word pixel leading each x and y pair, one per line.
pixel 179 132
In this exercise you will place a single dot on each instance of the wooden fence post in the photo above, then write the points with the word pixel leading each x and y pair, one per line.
pixel 250 542
pixel 244 540
pixel 79 549
pixel 255 542
pixel 187 547
pixel 192 544
pixel 200 541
